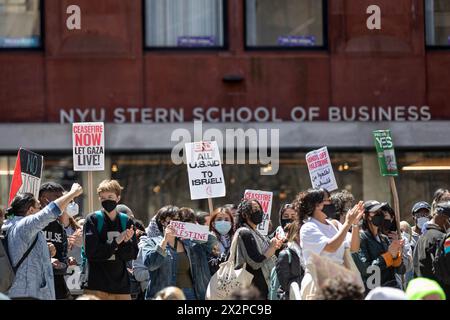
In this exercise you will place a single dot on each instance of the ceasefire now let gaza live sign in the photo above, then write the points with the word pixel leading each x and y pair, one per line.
pixel 265 199
pixel 385 153
pixel 88 146
pixel 204 170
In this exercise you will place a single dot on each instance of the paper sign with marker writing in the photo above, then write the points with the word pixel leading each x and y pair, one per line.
pixel 265 199
pixel 320 169
pixel 88 146
pixel 191 231
pixel 204 170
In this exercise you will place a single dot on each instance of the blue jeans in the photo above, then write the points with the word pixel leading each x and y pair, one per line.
pixel 189 293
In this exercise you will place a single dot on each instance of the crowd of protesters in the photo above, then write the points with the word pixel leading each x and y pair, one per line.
pixel 121 259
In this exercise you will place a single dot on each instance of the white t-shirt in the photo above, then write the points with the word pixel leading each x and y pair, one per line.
pixel 314 236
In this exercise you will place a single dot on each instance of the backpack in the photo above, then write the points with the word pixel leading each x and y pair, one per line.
pixel 275 291
pixel 441 262
pixel 100 222
pixel 7 270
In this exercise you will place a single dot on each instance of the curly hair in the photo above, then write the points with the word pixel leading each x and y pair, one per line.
pixel 341 289
pixel 306 201
pixel 245 210
pixel 340 199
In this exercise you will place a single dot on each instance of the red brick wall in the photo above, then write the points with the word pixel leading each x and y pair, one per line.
pixel 104 65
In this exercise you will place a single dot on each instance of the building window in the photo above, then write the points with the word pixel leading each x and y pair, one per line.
pixel 20 24
pixel 285 23
pixel 437 21
pixel 184 23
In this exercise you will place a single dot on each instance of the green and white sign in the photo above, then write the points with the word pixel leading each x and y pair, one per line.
pixel 385 153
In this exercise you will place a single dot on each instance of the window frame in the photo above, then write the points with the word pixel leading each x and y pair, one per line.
pixel 41 46
pixel 430 47
pixel 224 47
pixel 323 47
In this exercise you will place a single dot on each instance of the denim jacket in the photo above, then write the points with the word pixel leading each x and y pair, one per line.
pixel 162 264
pixel 34 279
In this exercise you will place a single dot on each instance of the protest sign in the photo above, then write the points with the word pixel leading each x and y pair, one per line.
pixel 191 231
pixel 320 169
pixel 385 153
pixel 88 146
pixel 388 166
pixel 265 199
pixel 27 174
pixel 204 170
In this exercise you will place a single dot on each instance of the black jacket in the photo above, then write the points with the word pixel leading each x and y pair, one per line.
pixel 107 260
pixel 424 254
pixel 374 253
pixel 56 234
pixel 288 273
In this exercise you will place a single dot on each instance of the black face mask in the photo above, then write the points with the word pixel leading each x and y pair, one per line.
pixel 378 220
pixel 284 222
pixel 387 225
pixel 330 211
pixel 257 217
pixel 109 205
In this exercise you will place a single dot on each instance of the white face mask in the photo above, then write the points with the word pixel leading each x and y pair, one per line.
pixel 421 221
pixel 73 209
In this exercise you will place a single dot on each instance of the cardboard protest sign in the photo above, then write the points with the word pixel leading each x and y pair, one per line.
pixel 88 146
pixel 191 231
pixel 320 169
pixel 204 170
pixel 385 153
pixel 265 198
pixel 27 174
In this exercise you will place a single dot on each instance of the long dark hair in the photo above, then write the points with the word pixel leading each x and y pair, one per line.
pixel 305 203
pixel 245 210
pixel 21 204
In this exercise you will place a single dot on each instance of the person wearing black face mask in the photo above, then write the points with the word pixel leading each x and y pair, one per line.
pixel 377 250
pixel 110 242
pixel 254 249
pixel 287 215
pixel 322 235
pixel 426 249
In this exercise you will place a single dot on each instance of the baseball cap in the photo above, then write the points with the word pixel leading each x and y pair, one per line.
pixel 373 205
pixel 420 205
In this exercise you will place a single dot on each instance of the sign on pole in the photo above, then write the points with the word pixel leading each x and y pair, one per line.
pixel 88 146
pixel 385 153
pixel 320 169
pixel 265 199
pixel 27 174
pixel 191 231
pixel 204 170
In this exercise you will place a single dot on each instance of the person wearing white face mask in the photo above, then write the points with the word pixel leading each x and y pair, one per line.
pixel 421 215
pixel 222 226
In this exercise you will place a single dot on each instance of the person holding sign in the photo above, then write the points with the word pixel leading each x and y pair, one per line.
pixel 172 261
pixel 254 249
pixel 110 242
pixel 222 226
pixel 34 276
pixel 324 236
pixel 377 250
